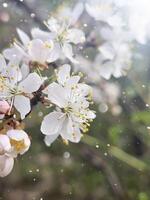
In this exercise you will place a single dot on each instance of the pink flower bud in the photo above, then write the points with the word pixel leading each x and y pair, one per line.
pixel 4 107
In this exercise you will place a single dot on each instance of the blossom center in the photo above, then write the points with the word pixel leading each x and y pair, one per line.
pixel 18 145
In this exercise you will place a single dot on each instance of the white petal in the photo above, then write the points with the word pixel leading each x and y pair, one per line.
pixel 12 54
pixel 73 81
pixel 13 72
pixel 75 36
pixel 23 37
pixel 106 70
pixel 49 139
pixel 31 84
pixel 52 123
pixel 63 74
pixel 55 53
pixel 6 165
pixel 39 34
pixel 40 51
pixel 90 114
pixel 67 50
pixel 57 94
pixel 76 13
pixel 70 131
pixel 84 89
pixel 4 143
pixel 2 63
pixel 25 70
pixel 22 104
pixel 53 25
pixel 118 70
pixel 107 51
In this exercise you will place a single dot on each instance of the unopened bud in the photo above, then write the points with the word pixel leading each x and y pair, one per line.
pixel 4 107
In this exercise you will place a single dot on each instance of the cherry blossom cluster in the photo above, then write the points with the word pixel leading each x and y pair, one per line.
pixel 21 81
pixel 39 68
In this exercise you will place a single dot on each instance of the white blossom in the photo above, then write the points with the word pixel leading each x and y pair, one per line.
pixel 34 52
pixel 72 114
pixel 114 60
pixel 63 37
pixel 12 143
pixel 19 141
pixel 6 161
pixel 69 14
pixel 15 89
pixel 101 10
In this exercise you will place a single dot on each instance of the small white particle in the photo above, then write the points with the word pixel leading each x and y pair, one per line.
pixel 66 155
pixel 5 5
pixel 32 15
pixel 37 170
pixel 40 114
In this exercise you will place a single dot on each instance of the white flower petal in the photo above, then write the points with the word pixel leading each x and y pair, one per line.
pixel 2 63
pixel 53 25
pixel 52 123
pixel 55 53
pixel 75 36
pixel 13 72
pixel 84 89
pixel 70 131
pixel 76 12
pixel 99 10
pixel 63 74
pixel 31 84
pixel 4 143
pixel 22 104
pixel 39 34
pixel 25 70
pixel 57 94
pixel 67 50
pixel 6 165
pixel 13 54
pixel 40 51
pixel 49 139
pixel 73 81
pixel 23 37
pixel 90 114
pixel 106 70
pixel 107 51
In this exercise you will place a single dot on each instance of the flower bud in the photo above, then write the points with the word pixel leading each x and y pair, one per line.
pixel 4 107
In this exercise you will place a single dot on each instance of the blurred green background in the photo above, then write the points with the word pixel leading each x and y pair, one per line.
pixel 112 162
